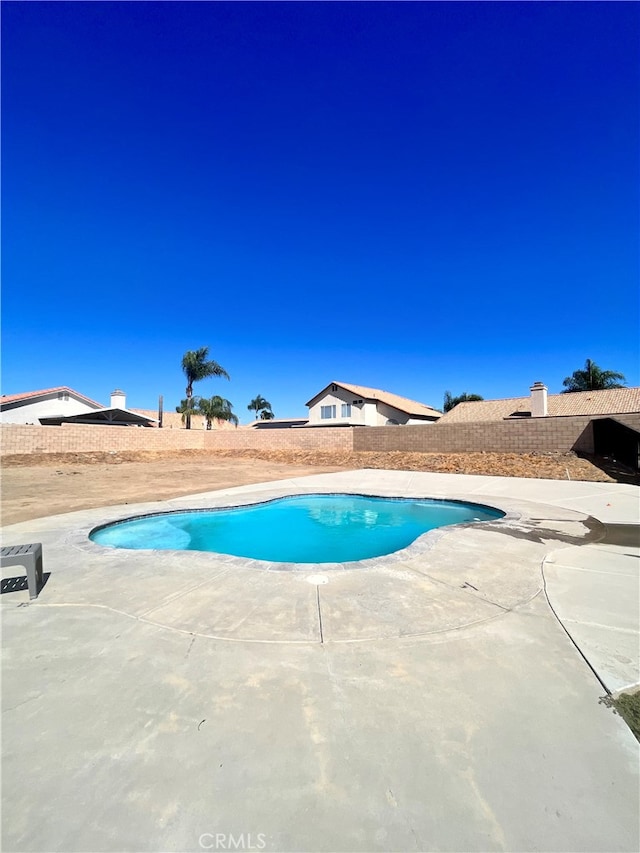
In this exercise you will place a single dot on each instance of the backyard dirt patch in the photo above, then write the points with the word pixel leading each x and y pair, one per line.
pixel 85 480
pixel 47 484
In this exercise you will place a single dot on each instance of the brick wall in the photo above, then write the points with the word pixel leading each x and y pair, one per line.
pixel 525 436
pixel 329 439
pixel 517 436
pixel 173 420
pixel 84 438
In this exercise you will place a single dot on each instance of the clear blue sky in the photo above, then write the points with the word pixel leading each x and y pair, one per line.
pixel 412 196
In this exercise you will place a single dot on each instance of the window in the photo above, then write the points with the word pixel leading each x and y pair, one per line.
pixel 63 395
pixel 327 412
pixel 346 410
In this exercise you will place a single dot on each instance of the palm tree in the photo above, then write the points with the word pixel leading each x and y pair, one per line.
pixel 217 408
pixel 259 404
pixel 266 415
pixel 188 408
pixel 196 367
pixel 450 402
pixel 593 378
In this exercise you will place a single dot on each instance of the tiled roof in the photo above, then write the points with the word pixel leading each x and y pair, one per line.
pixel 404 404
pixel 486 410
pixel 18 398
pixel 613 401
pixel 609 402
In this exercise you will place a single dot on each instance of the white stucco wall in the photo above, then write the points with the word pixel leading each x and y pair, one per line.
pixel 31 412
pixel 337 398
pixel 418 422
pixel 386 413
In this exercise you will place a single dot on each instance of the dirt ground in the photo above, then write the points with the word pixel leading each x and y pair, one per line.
pixel 39 485
pixel 31 491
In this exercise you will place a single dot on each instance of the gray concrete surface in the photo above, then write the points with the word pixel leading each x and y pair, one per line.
pixel 445 698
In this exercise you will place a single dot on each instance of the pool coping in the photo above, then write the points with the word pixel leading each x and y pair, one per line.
pixel 80 538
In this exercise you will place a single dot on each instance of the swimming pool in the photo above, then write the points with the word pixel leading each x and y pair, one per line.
pixel 318 528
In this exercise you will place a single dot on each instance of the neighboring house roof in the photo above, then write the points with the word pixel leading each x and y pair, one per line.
pixel 274 423
pixel 613 401
pixel 403 404
pixel 29 396
pixel 119 417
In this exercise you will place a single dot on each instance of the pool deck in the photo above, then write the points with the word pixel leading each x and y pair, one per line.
pixel 444 698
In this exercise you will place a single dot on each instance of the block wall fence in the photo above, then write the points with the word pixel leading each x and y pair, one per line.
pixel 517 436
pixel 323 439
pixel 86 438
pixel 525 436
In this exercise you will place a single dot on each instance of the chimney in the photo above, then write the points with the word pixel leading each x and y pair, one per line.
pixel 118 400
pixel 538 400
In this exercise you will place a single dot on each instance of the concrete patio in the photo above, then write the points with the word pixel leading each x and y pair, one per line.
pixel 444 698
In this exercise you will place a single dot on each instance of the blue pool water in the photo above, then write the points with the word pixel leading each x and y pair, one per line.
pixel 300 529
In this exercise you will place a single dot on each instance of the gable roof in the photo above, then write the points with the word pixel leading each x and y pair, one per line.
pixel 403 404
pixel 28 396
pixel 611 401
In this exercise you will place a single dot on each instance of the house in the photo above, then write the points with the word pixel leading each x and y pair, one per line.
pixel 54 406
pixel 540 404
pixel 29 407
pixel 343 404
